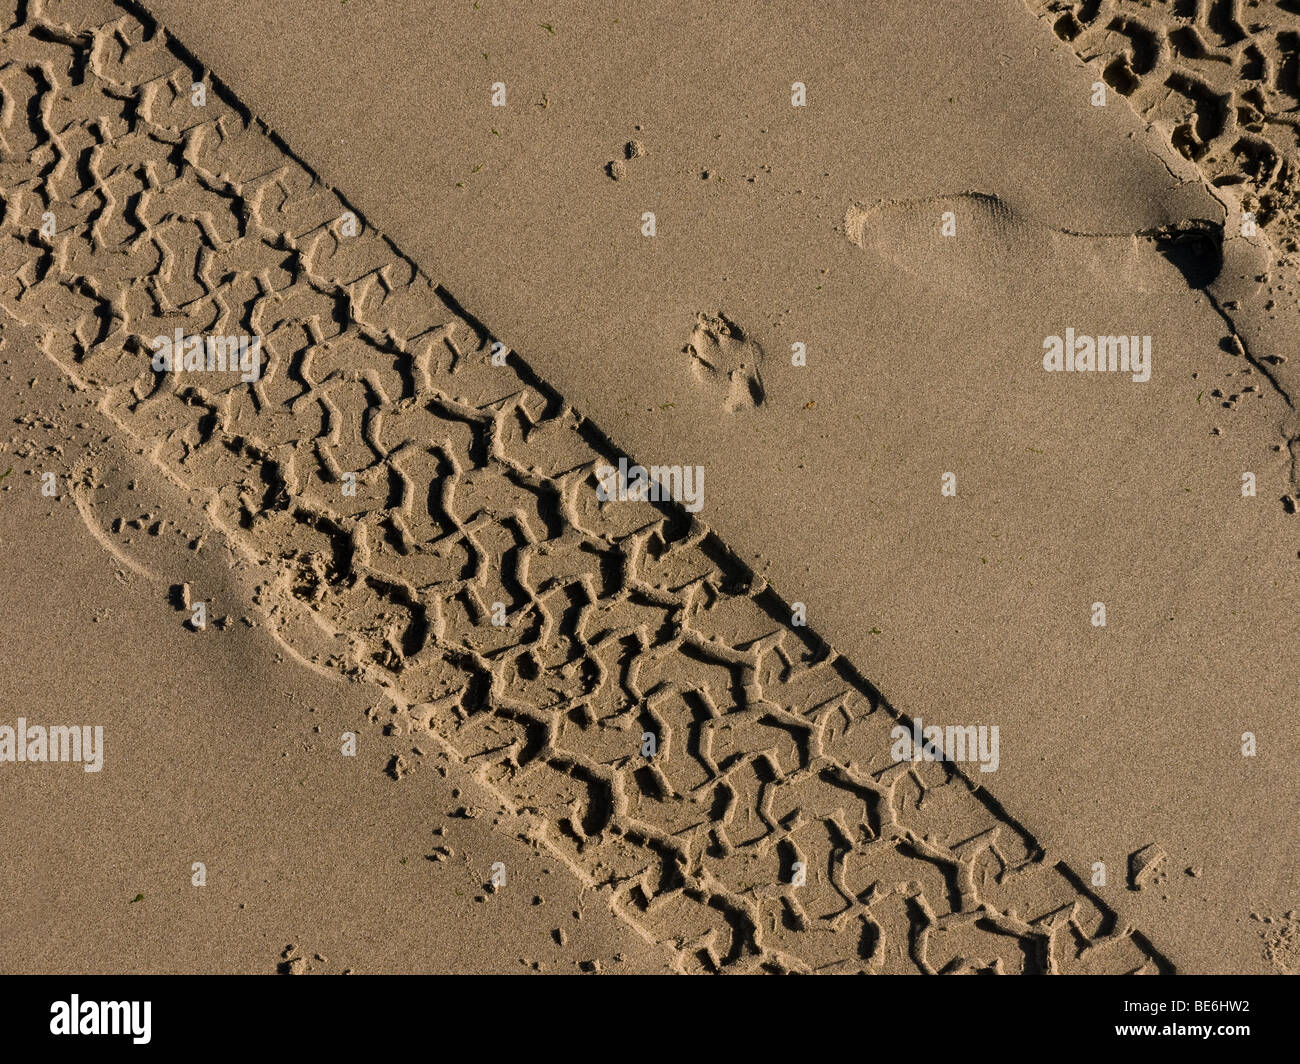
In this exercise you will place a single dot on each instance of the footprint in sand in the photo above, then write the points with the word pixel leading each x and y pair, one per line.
pixel 970 238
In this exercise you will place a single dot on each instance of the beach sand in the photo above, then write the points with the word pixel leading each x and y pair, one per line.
pixel 462 318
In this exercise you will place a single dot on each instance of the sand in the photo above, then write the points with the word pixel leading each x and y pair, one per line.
pixel 406 537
